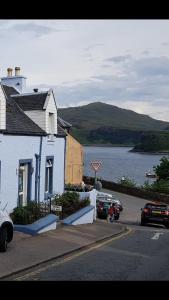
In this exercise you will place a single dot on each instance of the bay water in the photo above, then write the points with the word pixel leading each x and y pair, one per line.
pixel 118 162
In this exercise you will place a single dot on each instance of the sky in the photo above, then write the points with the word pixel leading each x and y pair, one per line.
pixel 120 62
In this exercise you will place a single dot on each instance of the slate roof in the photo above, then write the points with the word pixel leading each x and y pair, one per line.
pixel 61 131
pixel 33 101
pixel 63 123
pixel 17 122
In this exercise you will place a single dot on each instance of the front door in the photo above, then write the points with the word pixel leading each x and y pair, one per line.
pixel 23 184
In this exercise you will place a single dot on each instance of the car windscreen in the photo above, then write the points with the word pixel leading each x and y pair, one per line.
pixel 157 207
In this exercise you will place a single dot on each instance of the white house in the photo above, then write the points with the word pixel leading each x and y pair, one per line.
pixel 32 144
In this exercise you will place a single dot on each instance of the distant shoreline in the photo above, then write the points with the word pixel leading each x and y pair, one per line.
pixel 106 145
pixel 132 150
pixel 150 152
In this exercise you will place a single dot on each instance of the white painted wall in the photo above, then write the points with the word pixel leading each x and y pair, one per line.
pixel 85 219
pixel 13 81
pixel 47 228
pixel 51 108
pixel 55 149
pixel 38 116
pixel 12 149
pixel 92 196
pixel 2 109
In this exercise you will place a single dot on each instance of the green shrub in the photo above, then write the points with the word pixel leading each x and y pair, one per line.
pixel 26 214
pixel 161 186
pixel 126 181
pixel 146 186
pixel 70 203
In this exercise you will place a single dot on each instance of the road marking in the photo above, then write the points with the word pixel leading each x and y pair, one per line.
pixel 69 258
pixel 156 235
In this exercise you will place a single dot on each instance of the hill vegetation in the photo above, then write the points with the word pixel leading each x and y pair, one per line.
pixel 100 123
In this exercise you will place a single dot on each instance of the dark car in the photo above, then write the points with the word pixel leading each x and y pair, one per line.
pixel 102 209
pixel 155 213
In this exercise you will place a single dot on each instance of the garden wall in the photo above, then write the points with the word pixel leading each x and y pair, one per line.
pixel 138 192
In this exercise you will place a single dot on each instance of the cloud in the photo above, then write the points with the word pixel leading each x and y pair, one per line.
pixel 37 29
pixel 146 52
pixel 165 44
pixel 152 66
pixel 118 59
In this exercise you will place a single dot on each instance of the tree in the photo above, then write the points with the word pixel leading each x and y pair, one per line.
pixel 162 170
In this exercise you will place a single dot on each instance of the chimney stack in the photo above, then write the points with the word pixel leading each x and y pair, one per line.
pixel 17 71
pixel 9 72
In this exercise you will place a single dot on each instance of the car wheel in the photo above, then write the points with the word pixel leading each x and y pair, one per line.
pixel 3 239
pixel 167 226
pixel 143 223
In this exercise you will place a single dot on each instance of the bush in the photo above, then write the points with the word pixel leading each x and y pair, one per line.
pixel 26 214
pixel 161 186
pixel 126 181
pixel 146 186
pixel 70 203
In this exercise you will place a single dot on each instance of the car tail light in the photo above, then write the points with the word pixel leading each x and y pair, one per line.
pixel 165 212
pixel 146 210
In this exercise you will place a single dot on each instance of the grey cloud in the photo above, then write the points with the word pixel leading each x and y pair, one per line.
pixel 38 30
pixel 118 59
pixel 146 52
pixel 144 81
pixel 152 66
pixel 93 46
pixel 165 44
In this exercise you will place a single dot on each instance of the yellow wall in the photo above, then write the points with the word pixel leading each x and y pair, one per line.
pixel 74 161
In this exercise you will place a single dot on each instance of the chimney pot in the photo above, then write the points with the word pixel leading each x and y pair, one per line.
pixel 17 71
pixel 9 72
pixel 35 90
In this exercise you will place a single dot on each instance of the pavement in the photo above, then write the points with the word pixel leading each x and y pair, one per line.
pixel 27 251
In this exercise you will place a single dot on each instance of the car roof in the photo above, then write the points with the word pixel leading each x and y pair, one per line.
pixel 156 203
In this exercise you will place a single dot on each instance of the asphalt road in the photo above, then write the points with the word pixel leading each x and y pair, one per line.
pixel 140 255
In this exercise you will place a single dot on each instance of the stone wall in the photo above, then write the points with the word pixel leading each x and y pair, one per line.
pixel 149 195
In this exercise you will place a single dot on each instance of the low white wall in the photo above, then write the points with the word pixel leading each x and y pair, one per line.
pixel 50 227
pixel 85 219
pixel 92 196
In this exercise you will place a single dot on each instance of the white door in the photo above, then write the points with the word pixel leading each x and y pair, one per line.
pixel 23 184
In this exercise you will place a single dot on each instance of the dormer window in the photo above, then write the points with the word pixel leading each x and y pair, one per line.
pixel 51 123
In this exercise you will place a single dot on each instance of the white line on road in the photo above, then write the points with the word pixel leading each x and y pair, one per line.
pixel 156 235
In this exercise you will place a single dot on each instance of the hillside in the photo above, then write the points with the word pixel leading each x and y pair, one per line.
pixel 100 123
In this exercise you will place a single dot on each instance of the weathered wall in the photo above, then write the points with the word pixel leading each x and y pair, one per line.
pixel 74 161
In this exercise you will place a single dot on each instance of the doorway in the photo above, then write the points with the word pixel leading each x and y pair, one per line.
pixel 24 182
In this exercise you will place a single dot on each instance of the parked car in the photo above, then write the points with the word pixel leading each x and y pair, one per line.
pixel 6 230
pixel 101 196
pixel 155 212
pixel 103 206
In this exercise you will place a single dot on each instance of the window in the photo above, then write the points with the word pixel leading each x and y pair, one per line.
pixel 51 123
pixel 49 176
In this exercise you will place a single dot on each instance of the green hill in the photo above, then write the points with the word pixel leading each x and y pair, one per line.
pixel 100 123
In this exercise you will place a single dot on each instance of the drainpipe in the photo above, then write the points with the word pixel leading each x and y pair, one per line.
pixel 36 176
pixel 39 167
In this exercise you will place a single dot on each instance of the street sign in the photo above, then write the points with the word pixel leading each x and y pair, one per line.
pixel 57 208
pixel 96 165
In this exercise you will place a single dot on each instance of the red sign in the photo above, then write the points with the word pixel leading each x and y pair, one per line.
pixel 96 165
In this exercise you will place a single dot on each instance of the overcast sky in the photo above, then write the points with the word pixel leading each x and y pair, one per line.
pixel 120 62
